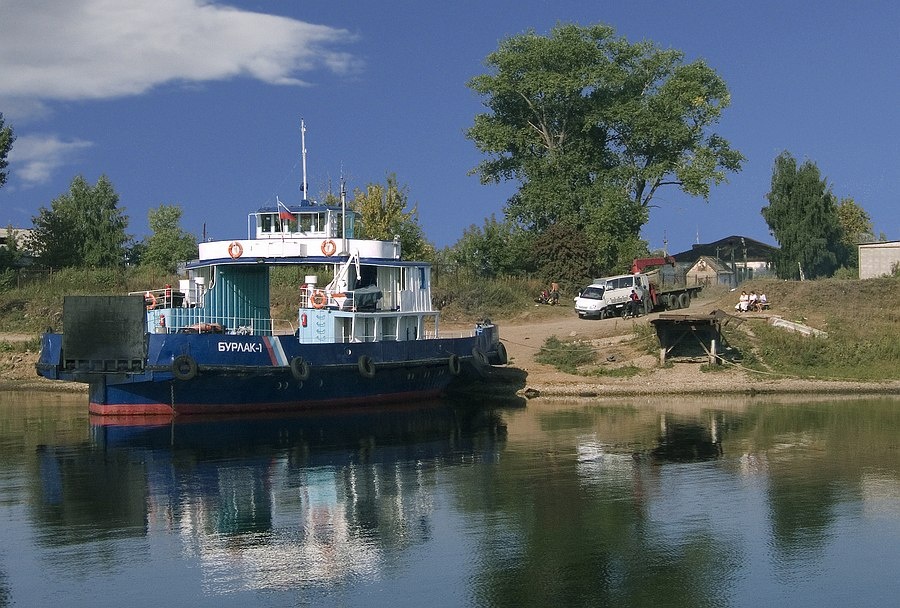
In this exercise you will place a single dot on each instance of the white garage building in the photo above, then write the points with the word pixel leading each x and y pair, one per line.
pixel 878 259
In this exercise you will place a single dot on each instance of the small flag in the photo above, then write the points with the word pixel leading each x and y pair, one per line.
pixel 283 212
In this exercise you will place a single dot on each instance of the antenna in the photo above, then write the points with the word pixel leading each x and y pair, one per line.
pixel 303 154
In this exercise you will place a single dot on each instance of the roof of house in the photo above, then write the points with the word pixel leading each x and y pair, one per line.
pixel 728 247
pixel 716 265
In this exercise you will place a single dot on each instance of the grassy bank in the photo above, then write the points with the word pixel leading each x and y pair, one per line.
pixel 861 318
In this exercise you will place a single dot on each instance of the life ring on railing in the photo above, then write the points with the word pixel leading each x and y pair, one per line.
pixel 299 369
pixel 235 250
pixel 454 365
pixel 329 248
pixel 366 366
pixel 150 300
pixel 318 299
pixel 184 367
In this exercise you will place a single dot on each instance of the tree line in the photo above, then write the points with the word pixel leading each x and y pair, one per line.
pixel 589 126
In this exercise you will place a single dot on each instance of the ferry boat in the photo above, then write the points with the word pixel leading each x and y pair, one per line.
pixel 365 330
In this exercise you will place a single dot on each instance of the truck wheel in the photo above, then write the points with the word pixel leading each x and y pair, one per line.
pixel 672 302
pixel 684 300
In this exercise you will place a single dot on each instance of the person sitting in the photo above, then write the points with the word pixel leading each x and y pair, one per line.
pixel 762 304
pixel 753 303
pixel 743 302
pixel 554 294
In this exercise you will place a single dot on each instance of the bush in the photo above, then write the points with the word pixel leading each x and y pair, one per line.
pixel 565 356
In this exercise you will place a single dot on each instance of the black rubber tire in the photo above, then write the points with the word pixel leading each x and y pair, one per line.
pixel 184 367
pixel 300 369
pixel 502 355
pixel 480 358
pixel 684 300
pixel 366 366
pixel 673 302
pixel 454 365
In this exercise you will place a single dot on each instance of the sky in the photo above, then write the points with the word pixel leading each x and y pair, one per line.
pixel 198 103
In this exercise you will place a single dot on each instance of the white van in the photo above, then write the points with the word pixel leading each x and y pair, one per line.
pixel 610 296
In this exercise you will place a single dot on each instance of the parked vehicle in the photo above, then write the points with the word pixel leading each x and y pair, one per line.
pixel 663 288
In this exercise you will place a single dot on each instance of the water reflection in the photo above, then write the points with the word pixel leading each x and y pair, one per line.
pixel 328 495
pixel 632 502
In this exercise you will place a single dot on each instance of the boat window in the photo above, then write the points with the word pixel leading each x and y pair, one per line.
pixel 308 222
pixel 265 222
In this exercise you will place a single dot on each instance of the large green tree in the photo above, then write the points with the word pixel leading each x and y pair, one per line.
pixel 6 141
pixel 384 215
pixel 169 244
pixel 803 218
pixel 592 126
pixel 83 228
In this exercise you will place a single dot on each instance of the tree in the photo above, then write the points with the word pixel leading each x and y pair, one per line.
pixel 582 119
pixel 169 244
pixel 83 228
pixel 10 253
pixel 383 216
pixel 803 218
pixel 6 141
pixel 856 228
pixel 563 255
pixel 497 248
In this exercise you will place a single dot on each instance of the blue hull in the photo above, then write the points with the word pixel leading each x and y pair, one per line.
pixel 217 373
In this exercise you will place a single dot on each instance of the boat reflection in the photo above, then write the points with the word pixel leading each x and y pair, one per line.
pixel 268 501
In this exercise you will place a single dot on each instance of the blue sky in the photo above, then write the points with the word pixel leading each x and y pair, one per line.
pixel 199 103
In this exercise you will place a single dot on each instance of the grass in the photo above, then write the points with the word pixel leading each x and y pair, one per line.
pixel 861 318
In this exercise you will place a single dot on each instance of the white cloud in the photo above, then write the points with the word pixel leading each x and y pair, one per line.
pixel 33 158
pixel 97 49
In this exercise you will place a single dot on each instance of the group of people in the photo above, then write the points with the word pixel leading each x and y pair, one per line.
pixel 753 302
pixel 549 297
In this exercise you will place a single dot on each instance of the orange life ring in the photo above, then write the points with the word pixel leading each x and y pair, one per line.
pixel 235 250
pixel 149 297
pixel 318 299
pixel 329 248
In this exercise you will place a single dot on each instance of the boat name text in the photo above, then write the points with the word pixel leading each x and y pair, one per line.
pixel 239 347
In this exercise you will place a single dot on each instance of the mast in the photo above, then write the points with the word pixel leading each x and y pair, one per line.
pixel 303 154
pixel 343 212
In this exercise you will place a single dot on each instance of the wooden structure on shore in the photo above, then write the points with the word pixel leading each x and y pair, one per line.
pixel 690 331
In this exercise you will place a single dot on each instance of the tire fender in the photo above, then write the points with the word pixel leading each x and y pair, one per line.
pixel 366 366
pixel 454 365
pixel 184 367
pixel 299 369
pixel 502 355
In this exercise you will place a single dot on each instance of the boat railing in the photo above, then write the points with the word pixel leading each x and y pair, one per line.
pixel 197 320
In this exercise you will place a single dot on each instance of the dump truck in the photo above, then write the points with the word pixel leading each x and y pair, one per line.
pixel 658 282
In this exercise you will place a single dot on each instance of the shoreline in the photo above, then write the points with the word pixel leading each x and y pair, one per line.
pixel 526 378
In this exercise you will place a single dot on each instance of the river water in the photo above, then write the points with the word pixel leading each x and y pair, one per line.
pixel 630 502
